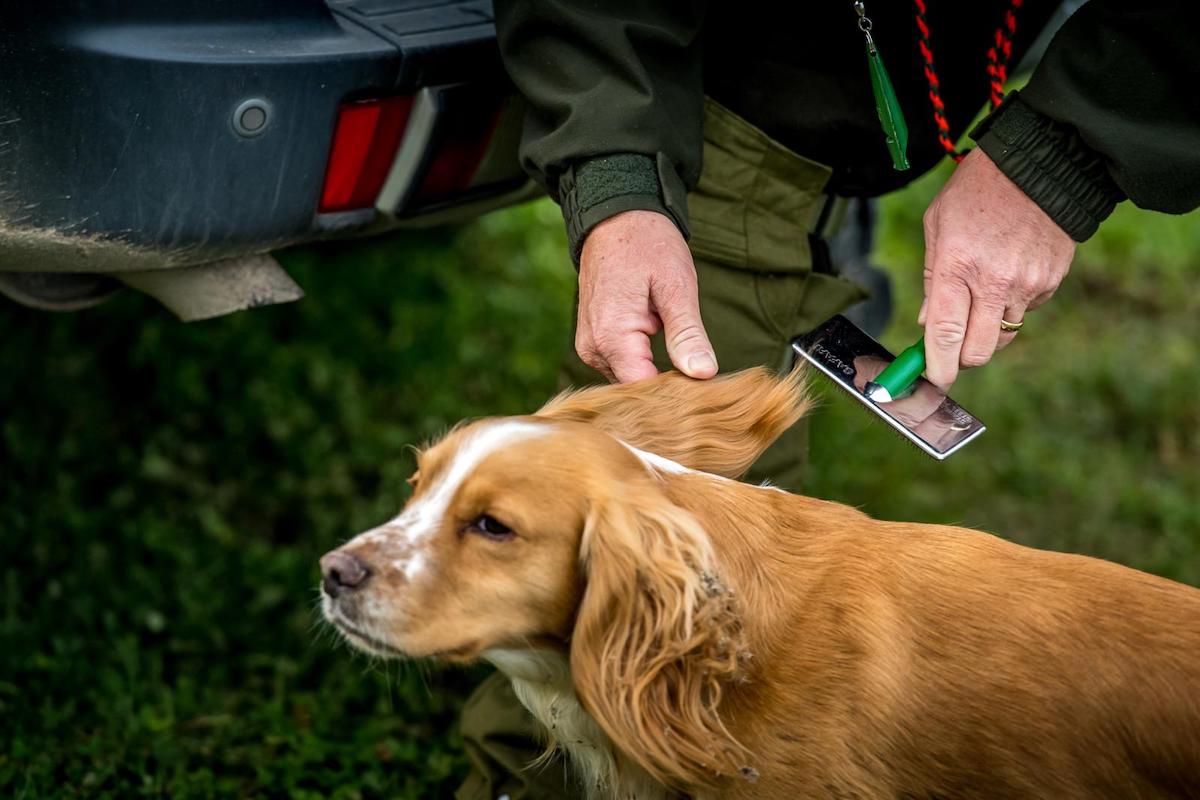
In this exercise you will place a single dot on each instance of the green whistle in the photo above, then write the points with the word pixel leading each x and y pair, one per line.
pixel 899 376
pixel 891 117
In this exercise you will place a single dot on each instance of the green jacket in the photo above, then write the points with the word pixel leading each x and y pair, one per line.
pixel 616 89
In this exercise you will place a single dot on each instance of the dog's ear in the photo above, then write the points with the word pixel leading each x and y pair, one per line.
pixel 656 639
pixel 719 426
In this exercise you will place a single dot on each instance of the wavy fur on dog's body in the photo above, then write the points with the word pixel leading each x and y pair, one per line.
pixel 728 640
pixel 895 660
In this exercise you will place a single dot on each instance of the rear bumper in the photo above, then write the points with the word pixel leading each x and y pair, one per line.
pixel 126 146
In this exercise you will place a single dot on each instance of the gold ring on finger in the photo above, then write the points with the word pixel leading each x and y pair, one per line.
pixel 1011 327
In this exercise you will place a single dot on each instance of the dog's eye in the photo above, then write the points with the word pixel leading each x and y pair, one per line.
pixel 491 527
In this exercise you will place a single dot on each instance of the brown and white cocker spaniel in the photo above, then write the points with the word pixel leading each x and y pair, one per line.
pixel 679 633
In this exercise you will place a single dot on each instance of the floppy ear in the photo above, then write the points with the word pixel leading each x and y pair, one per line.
pixel 720 425
pixel 656 639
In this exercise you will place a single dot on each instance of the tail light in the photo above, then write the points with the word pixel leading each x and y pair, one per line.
pixel 462 135
pixel 365 139
pixel 410 155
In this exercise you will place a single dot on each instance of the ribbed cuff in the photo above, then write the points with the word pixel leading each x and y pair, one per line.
pixel 593 190
pixel 1051 164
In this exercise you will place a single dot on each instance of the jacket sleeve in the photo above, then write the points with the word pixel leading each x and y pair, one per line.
pixel 1106 116
pixel 615 103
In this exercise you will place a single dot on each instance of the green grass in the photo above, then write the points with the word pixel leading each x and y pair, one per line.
pixel 167 489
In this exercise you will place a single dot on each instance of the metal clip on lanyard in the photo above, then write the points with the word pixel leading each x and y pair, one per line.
pixel 891 117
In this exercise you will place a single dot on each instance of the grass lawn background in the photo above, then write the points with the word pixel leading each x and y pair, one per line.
pixel 166 489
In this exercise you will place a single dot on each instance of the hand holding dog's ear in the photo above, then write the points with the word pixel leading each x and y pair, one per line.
pixel 636 277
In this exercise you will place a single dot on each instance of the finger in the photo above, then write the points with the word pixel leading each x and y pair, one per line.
pixel 983 332
pixel 628 357
pixel 1014 313
pixel 686 340
pixel 1037 301
pixel 945 326
pixel 930 225
pixel 590 356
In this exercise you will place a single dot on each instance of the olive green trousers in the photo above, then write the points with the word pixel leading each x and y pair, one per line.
pixel 751 217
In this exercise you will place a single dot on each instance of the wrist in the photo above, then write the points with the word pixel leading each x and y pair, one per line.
pixel 1051 164
pixel 596 189
pixel 636 231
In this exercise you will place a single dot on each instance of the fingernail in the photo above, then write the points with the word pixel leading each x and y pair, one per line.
pixel 702 362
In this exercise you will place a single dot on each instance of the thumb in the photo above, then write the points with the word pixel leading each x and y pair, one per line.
pixel 687 342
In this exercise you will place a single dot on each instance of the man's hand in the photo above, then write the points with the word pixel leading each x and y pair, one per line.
pixel 990 253
pixel 636 277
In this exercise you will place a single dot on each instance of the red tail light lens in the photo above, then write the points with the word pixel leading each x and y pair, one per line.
pixel 464 131
pixel 364 144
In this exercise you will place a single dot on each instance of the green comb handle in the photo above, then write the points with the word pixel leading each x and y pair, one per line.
pixel 901 373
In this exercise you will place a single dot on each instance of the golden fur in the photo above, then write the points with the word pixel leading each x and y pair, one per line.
pixel 721 430
pixel 735 641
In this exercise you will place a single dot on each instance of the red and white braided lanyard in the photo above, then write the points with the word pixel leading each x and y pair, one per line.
pixel 999 54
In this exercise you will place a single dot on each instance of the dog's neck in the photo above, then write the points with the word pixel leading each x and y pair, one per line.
pixel 541 680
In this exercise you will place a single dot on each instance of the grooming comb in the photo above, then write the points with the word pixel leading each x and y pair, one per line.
pixel 923 414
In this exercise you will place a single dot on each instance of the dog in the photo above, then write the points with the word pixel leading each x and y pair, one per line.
pixel 682 634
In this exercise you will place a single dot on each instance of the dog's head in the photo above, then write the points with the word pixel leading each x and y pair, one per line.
pixel 553 531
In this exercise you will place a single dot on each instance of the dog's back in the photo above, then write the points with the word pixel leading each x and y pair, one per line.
pixel 927 661
pixel 1092 668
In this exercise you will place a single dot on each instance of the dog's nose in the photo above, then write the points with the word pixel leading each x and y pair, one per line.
pixel 342 573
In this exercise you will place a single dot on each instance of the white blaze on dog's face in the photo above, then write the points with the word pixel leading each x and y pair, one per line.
pixel 485 552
